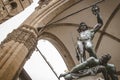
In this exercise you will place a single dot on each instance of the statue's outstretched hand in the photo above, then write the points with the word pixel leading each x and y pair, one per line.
pixel 61 75
pixel 95 9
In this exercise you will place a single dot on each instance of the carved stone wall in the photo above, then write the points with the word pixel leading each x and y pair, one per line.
pixel 43 3
pixel 25 35
pixel 10 8
pixel 15 50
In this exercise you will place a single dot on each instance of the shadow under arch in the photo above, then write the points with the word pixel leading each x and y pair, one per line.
pixel 60 47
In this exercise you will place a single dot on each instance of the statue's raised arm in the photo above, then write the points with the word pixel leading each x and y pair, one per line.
pixel 96 12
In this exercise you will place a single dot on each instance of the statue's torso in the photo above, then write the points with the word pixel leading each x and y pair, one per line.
pixel 86 35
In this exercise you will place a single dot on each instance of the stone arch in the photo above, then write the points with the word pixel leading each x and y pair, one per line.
pixel 60 47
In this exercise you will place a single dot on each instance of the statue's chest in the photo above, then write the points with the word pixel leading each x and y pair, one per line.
pixel 85 35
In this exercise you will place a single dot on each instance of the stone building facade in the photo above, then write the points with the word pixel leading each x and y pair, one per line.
pixel 49 22
pixel 10 8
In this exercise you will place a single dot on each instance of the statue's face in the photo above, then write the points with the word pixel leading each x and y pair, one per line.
pixel 83 26
pixel 105 58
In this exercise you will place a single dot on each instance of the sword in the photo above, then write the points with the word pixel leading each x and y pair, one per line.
pixel 47 62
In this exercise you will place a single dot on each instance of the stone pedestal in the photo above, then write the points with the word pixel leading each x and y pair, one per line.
pixel 15 50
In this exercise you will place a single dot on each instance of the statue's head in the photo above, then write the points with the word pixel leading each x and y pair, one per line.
pixel 104 59
pixel 82 27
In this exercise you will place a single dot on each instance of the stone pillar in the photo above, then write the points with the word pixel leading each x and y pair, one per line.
pixel 15 50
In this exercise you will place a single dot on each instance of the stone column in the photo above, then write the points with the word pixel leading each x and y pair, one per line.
pixel 15 50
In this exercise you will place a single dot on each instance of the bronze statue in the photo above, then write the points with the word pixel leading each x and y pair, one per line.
pixel 86 72
pixel 92 66
pixel 86 35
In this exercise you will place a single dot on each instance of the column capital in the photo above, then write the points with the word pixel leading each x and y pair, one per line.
pixel 15 50
pixel 43 3
pixel 24 34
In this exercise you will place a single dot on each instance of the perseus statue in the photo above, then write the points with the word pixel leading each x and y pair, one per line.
pixel 84 40
pixel 92 66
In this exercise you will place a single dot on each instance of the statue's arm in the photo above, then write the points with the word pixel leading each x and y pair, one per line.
pixel 99 23
pixel 96 10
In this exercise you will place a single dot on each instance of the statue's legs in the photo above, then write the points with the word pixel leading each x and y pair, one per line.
pixel 91 52
pixel 85 64
pixel 104 72
pixel 89 48
pixel 112 71
pixel 81 50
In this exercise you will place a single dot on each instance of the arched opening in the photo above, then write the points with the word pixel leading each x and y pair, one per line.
pixel 36 66
pixel 59 45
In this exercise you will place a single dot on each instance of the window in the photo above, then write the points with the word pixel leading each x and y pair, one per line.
pixel 3 8
pixel 13 5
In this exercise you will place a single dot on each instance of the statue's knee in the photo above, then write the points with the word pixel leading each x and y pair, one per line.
pixel 89 46
pixel 111 68
pixel 102 68
pixel 91 59
pixel 68 77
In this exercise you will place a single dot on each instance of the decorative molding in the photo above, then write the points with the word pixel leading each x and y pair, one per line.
pixel 26 35
pixel 43 3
